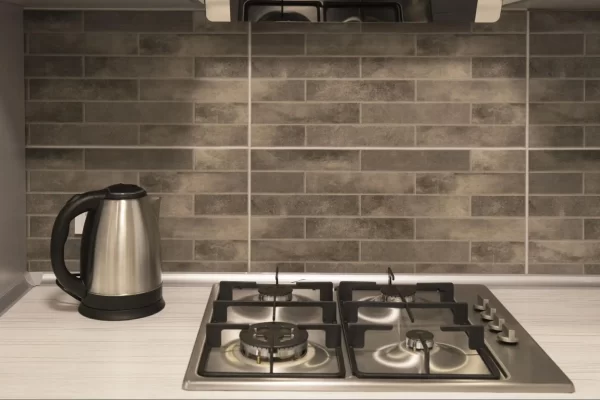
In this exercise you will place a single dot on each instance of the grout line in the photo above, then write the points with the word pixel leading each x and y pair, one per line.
pixel 249 149
pixel 527 81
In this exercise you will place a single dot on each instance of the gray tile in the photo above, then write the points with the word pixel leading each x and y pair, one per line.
pixel 176 250
pixel 277 45
pixel 202 24
pixel 410 251
pixel 305 67
pixel 193 135
pixel 465 183
pixel 550 183
pixel 359 182
pixel 138 21
pixel 52 21
pixel 415 160
pixel 591 183
pixel 499 91
pixel 304 205
pixel 194 45
pixel 592 136
pixel 147 112
pixel 471 45
pixel 139 67
pixel 592 229
pixel 415 27
pixel 501 114
pixel 54 159
pixel 277 182
pixel 564 206
pixel 277 228
pixel 195 182
pixel 206 266
pixel 283 266
pixel 53 66
pixel 82 135
pixel 205 228
pixel 564 21
pixel 39 249
pixel 498 160
pixel 418 206
pixel 76 181
pixel 303 113
pixel 555 136
pixel 46 203
pixel 508 229
pixel 359 268
pixel 220 113
pixel 565 67
pixel 592 44
pixel 83 43
pixel 304 27
pixel 46 266
pixel 498 206
pixel 342 160
pixel 498 252
pixel 304 250
pixel 564 252
pixel 470 136
pixel 176 206
pixel 221 204
pixel 360 136
pixel 221 67
pixel 221 250
pixel 361 45
pixel 282 90
pixel 41 227
pixel 470 268
pixel 416 67
pixel 556 269
pixel 38 111
pixel 416 113
pixel 556 90
pixel 197 90
pixel 563 44
pixel 278 135
pixel 138 159
pixel 358 90
pixel 510 21
pixel 80 89
pixel 359 228
pixel 499 67
pixel 592 91
pixel 592 269
pixel 564 160
pixel 220 159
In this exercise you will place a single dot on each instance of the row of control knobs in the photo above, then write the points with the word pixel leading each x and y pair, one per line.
pixel 495 323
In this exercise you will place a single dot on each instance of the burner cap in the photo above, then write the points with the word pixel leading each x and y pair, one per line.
pixel 393 293
pixel 416 337
pixel 277 16
pixel 287 341
pixel 275 292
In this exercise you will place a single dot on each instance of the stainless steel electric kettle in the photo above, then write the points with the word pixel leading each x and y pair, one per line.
pixel 120 274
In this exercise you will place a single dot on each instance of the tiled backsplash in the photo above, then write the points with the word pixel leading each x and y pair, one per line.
pixel 325 148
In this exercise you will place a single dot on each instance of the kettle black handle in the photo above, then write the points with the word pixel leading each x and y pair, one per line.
pixel 77 205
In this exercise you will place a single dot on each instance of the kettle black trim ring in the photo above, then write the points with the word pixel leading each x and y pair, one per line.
pixel 122 308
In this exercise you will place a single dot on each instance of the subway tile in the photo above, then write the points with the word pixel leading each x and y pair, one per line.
pixel 304 27
pixel 53 66
pixel 415 160
pixel 360 45
pixel 277 228
pixel 556 269
pixel 360 136
pixel 221 204
pixel 415 27
pixel 591 269
pixel 277 182
pixel 592 44
pixel 277 45
pixel 565 67
pixel 196 90
pixel 269 267
pixel 497 252
pixel 39 249
pixel 147 112
pixel 466 183
pixel 195 182
pixel 555 136
pixel 139 67
pixel 46 203
pixel 221 67
pixel 411 251
pixel 46 266
pixel 138 21
pixel 176 250
pixel 510 21
pixel 206 266
pixel 82 135
pixel 76 181
pixel 80 89
pixel 193 135
pixel 592 91
pixel 591 183
pixel 54 159
pixel 564 206
pixel 499 67
pixel 38 111
pixel 470 268
pixel 501 114
pixel 416 67
pixel 591 229
pixel 205 228
pixel 304 113
pixel 202 24
pixel 221 113
pixel 564 252
pixel 556 44
pixel 305 67
pixel 498 160
pixel 564 160
pixel 471 136
pixel 304 205
pixel 41 226
pixel 418 206
pixel 342 160
pixel 359 90
pixel 221 250
pixel 207 160
pixel 283 90
pixel 407 113
pixel 471 45
pixel 359 228
pixel 544 90
pixel 176 206
pixel 359 268
pixel 555 229
pixel 564 21
pixel 497 91
pixel 194 45
pixel 83 43
pixel 498 206
pixel 52 21
pixel 359 182
pixel 128 159
pixel 278 135
pixel 304 250
pixel 551 183
pixel 508 229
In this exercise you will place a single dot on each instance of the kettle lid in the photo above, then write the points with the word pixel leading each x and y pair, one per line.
pixel 124 191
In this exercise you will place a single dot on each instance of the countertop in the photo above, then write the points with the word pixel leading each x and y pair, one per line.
pixel 47 350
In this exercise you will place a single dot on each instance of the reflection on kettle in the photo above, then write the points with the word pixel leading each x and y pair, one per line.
pixel 120 265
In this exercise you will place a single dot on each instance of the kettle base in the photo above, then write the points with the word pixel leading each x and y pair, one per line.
pixel 122 308
pixel 121 315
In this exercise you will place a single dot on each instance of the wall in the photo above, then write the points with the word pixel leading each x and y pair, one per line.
pixel 324 148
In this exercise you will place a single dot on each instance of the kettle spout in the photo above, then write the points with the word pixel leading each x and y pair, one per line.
pixel 155 203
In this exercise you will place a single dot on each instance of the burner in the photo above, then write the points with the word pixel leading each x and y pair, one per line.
pixel 416 337
pixel 394 294
pixel 275 292
pixel 287 341
pixel 279 16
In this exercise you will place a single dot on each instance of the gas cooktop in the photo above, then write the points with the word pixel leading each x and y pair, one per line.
pixel 366 336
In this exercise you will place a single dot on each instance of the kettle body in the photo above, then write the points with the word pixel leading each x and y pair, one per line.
pixel 120 264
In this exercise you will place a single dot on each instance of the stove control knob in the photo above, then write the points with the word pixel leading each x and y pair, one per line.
pixel 489 313
pixel 497 324
pixel 508 336
pixel 481 303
